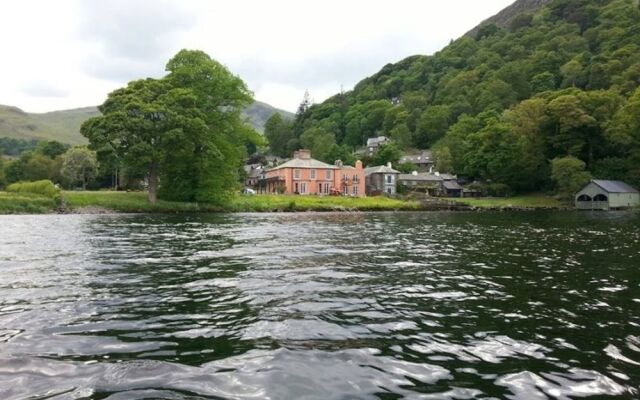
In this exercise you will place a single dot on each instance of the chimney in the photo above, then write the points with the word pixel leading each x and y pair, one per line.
pixel 389 165
pixel 414 173
pixel 302 154
pixel 338 163
pixel 358 164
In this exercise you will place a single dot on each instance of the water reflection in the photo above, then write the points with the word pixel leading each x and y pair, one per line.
pixel 326 306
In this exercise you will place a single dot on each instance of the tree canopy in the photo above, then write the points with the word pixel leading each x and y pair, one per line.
pixel 183 132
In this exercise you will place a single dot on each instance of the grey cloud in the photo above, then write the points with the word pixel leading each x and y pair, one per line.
pixel 135 34
pixel 346 65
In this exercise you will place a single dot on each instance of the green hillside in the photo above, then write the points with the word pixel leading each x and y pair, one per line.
pixel 64 126
pixel 543 80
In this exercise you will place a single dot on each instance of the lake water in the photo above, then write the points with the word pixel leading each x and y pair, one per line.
pixel 537 305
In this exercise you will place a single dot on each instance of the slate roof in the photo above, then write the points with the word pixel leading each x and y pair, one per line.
pixel 304 163
pixel 448 177
pixel 374 141
pixel 380 169
pixel 420 177
pixel 451 185
pixel 614 186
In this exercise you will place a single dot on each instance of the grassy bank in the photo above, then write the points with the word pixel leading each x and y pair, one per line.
pixel 136 202
pixel 19 203
pixel 129 202
pixel 314 203
pixel 525 201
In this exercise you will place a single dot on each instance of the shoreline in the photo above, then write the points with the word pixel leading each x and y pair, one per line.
pixel 105 202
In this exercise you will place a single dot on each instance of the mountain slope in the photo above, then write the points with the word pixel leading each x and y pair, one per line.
pixel 504 18
pixel 64 126
pixel 557 80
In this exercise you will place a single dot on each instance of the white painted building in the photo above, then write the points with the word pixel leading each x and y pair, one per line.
pixel 606 195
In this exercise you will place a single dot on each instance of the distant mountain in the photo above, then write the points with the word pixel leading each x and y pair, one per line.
pixel 504 18
pixel 258 113
pixel 64 125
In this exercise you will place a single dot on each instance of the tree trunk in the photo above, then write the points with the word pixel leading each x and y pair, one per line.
pixel 153 183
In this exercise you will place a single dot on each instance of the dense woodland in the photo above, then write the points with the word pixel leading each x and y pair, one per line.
pixel 558 83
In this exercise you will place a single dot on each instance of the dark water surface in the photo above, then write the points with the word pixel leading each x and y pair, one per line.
pixel 320 306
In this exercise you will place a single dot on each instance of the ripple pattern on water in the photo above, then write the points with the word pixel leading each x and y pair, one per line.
pixel 320 306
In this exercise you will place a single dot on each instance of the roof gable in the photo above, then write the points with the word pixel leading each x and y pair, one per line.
pixel 614 186
pixel 380 169
pixel 304 163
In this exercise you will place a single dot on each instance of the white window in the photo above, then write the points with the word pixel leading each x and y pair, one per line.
pixel 355 190
pixel 296 174
pixel 389 178
pixel 345 190
pixel 329 174
pixel 303 188
pixel 312 174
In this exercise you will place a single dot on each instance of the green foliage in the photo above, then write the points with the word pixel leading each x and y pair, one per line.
pixel 387 153
pixel 80 165
pixel 183 131
pixel 406 168
pixel 51 148
pixel 431 126
pixel 560 80
pixel 15 147
pixel 569 175
pixel 341 153
pixel 320 141
pixel 43 188
pixel 31 166
pixel 279 133
pixel 3 179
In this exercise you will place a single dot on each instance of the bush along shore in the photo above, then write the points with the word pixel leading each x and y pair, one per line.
pixel 44 200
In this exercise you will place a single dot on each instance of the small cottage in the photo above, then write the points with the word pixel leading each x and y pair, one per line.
pixel 374 143
pixel 606 195
pixel 381 179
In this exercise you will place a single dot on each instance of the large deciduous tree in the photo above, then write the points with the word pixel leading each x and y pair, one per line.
pixel 184 131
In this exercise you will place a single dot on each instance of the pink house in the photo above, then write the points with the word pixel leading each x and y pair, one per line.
pixel 304 175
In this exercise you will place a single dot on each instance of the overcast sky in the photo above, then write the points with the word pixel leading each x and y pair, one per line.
pixel 71 53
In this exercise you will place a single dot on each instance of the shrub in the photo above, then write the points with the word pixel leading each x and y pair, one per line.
pixel 570 175
pixel 44 187
pixel 498 190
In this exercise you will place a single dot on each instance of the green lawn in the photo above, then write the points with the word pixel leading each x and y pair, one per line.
pixel 318 203
pixel 524 201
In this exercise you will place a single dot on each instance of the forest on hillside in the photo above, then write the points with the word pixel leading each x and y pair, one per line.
pixel 554 92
